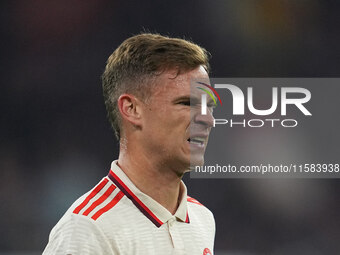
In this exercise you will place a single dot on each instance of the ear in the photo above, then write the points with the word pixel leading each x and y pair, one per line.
pixel 130 109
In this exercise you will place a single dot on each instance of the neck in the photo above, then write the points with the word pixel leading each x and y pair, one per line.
pixel 156 180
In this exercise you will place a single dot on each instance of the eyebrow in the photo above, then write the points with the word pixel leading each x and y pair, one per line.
pixel 193 100
pixel 183 98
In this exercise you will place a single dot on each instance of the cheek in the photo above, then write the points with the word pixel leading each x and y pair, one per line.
pixel 180 121
pixel 165 122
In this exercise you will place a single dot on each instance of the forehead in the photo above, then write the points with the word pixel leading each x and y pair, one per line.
pixel 169 84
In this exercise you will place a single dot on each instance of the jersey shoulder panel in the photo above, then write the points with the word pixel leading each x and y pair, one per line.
pixel 83 228
pixel 202 219
pixel 193 200
pixel 77 235
pixel 98 201
pixel 199 210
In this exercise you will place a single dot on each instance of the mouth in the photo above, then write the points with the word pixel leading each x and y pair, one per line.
pixel 197 141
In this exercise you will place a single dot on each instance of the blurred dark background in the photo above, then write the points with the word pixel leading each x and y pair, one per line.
pixel 56 142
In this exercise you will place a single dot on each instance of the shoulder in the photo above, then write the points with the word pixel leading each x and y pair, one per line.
pixel 99 201
pixel 93 208
pixel 194 203
pixel 199 212
pixel 84 225
pixel 193 200
pixel 197 206
pixel 74 234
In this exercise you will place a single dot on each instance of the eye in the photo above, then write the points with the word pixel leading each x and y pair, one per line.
pixel 211 106
pixel 185 102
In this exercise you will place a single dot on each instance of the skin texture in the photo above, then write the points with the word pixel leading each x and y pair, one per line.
pixel 154 148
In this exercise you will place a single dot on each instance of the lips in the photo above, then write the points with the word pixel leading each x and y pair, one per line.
pixel 197 140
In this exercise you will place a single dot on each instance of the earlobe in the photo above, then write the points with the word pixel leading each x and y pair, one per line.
pixel 129 109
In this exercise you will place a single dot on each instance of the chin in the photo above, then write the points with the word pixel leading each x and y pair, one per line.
pixel 190 160
pixel 196 160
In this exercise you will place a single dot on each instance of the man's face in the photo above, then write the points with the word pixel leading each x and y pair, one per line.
pixel 174 131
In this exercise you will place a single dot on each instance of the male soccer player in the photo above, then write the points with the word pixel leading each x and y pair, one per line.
pixel 142 206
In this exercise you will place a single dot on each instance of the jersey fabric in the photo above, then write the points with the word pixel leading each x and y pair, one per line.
pixel 115 217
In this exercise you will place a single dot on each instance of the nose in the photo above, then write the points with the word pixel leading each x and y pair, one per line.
pixel 204 119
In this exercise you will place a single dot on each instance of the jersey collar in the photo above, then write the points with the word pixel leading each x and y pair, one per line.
pixel 154 211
